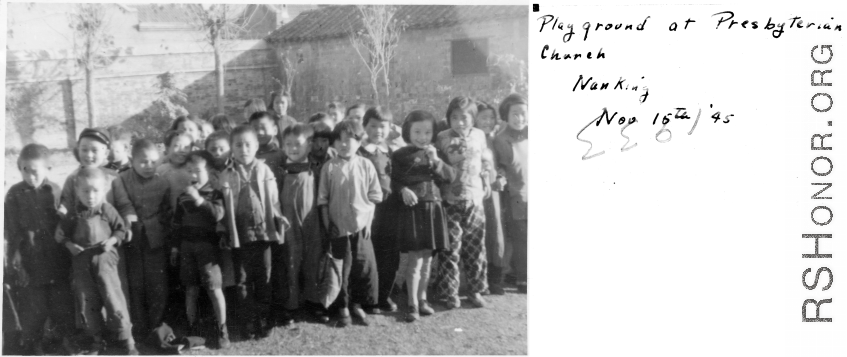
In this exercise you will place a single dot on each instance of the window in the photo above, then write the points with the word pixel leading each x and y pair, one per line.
pixel 469 56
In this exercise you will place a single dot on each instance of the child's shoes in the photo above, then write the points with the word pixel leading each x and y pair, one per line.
pixel 360 314
pixel 223 337
pixel 496 289
pixel 388 305
pixel 344 319
pixel 286 318
pixel 263 329
pixel 522 287
pixel 452 303
pixel 95 348
pixel 412 314
pixel 129 346
pixel 425 309
pixel 477 301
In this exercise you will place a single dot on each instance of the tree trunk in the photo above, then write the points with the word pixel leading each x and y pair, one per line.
pixel 89 96
pixel 219 74
pixel 387 87
pixel 375 87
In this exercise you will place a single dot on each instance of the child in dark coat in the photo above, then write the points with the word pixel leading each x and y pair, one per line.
pixel 43 266
pixel 418 170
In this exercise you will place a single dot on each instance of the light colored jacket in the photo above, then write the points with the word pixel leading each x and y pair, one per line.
pixel 229 183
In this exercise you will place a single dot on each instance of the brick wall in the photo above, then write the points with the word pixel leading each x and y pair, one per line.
pixel 422 77
pixel 42 102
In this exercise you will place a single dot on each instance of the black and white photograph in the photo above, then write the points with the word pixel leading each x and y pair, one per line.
pixel 266 179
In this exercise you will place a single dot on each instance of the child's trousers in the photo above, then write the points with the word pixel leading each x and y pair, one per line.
pixel 494 240
pixel 252 264
pixel 359 280
pixel 294 263
pixel 97 285
pixel 148 284
pixel 37 303
pixel 466 226
pixel 385 250
pixel 518 233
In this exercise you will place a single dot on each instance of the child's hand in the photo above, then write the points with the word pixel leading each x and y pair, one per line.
pixel 192 191
pixel 23 277
pixel 432 154
pixel 409 197
pixel 174 254
pixel 486 188
pixel 16 260
pixel 74 248
pixel 456 244
pixel 499 183
pixel 109 244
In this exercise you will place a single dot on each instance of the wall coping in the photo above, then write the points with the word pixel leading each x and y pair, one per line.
pixel 34 55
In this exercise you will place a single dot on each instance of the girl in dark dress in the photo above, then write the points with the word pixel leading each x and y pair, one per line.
pixel 417 171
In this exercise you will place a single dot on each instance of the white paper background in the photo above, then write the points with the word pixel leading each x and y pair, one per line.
pixel 691 247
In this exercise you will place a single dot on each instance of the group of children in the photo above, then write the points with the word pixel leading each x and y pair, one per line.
pixel 258 207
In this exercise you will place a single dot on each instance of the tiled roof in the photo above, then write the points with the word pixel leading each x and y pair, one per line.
pixel 336 21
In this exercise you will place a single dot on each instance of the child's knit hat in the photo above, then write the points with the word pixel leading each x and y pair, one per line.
pixel 96 134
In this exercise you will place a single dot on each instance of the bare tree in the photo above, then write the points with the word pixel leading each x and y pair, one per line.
pixel 510 72
pixel 92 47
pixel 221 24
pixel 376 43
pixel 290 62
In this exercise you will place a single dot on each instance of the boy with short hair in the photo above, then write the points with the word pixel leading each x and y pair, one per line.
pixel 302 247
pixel 119 160
pixel 347 194
pixel 43 266
pixel 265 125
pixel 255 223
pixel 143 198
pixel 217 144
pixel 196 241
pixel 375 148
pixel 90 233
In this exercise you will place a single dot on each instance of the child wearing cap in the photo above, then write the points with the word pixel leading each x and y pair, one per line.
pixel 92 150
